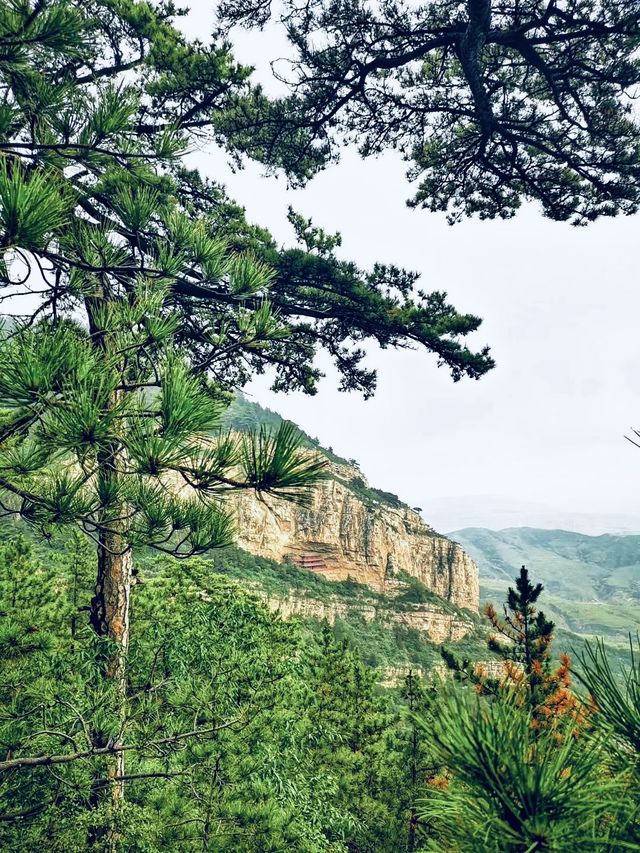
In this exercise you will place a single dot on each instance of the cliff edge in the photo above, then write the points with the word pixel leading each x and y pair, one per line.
pixel 352 530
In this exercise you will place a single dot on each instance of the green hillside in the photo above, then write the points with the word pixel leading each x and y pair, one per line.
pixel 592 583
pixel 383 642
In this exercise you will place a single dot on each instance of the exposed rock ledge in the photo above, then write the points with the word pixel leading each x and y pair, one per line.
pixel 393 676
pixel 346 532
pixel 438 626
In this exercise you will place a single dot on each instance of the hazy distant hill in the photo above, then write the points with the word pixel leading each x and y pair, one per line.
pixel 592 583
pixel 497 513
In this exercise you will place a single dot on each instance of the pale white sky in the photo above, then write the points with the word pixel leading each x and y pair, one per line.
pixel 560 305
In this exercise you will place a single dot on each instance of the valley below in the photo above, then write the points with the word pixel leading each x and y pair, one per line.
pixel 592 583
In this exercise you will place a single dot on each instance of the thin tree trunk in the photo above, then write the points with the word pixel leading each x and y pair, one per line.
pixel 110 616
pixel 110 606
pixel 413 817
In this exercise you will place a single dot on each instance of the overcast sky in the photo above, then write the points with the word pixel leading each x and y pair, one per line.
pixel 561 307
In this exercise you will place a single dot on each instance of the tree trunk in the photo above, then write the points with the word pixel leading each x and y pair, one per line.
pixel 110 609
pixel 110 605
pixel 413 817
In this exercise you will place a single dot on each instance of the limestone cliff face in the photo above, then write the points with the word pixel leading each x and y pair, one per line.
pixel 348 531
pixel 432 621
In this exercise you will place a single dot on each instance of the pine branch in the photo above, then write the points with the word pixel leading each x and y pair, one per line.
pixel 28 762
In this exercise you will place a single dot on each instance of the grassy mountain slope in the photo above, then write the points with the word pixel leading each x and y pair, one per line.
pixel 592 583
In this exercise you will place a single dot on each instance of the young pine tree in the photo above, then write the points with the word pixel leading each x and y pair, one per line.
pixel 415 753
pixel 522 638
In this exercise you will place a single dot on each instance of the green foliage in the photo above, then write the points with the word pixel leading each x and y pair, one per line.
pixel 32 207
pixel 416 592
pixel 101 102
pixel 529 765
pixel 369 495
pixel 479 99
pixel 416 751
pixel 77 405
pixel 523 637
pixel 257 735
pixel 276 579
pixel 241 732
pixel 522 640
pixel 271 463
pixel 382 642
pixel 616 696
pixel 517 789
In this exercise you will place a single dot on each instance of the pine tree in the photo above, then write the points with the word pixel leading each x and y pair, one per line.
pixel 523 638
pixel 114 431
pixel 245 732
pixel 421 703
pixel 515 788
pixel 532 766
pixel 111 421
pixel 490 103
pixel 350 738
pixel 141 297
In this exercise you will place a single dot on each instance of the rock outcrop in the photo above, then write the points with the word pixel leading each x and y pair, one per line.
pixel 351 530
pixel 432 621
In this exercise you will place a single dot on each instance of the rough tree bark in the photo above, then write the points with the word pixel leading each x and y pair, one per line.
pixel 110 607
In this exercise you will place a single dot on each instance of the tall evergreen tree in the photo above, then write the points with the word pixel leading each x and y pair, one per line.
pixel 100 218
pixel 243 732
pixel 141 297
pixel 421 703
pixel 110 421
pixel 344 707
pixel 523 639
pixel 532 766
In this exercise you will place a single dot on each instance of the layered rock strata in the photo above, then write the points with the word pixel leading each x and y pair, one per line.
pixel 346 531
pixel 437 625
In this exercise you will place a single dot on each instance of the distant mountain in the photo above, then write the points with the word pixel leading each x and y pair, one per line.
pixel 592 583
pixel 496 513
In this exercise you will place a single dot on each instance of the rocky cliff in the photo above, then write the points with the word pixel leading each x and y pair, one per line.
pixel 352 530
pixel 430 620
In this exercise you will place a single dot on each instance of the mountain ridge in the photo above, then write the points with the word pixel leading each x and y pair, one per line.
pixel 349 528
pixel 592 583
pixel 389 624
